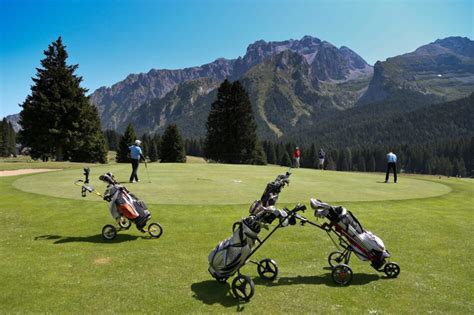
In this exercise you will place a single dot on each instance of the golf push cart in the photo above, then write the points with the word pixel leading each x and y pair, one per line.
pixel 124 207
pixel 352 238
pixel 233 253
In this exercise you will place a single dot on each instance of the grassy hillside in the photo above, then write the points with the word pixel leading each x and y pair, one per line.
pixel 55 261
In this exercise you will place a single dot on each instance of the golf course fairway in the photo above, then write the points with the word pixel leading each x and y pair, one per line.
pixel 54 260
pixel 220 184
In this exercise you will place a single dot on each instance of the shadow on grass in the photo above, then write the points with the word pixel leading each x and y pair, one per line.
pixel 120 238
pixel 212 292
pixel 325 279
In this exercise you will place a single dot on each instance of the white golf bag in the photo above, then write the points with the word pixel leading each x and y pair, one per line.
pixel 232 253
pixel 365 244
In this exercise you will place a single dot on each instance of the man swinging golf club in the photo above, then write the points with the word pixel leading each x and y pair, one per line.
pixel 136 155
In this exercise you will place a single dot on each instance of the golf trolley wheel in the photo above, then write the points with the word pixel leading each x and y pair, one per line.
pixel 342 274
pixel 267 269
pixel 335 258
pixel 155 230
pixel 243 287
pixel 109 232
pixel 391 269
pixel 124 223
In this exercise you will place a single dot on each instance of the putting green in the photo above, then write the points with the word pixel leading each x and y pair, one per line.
pixel 216 184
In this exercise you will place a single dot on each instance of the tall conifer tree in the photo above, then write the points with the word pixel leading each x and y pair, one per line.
pixel 172 146
pixel 231 129
pixel 7 138
pixel 126 140
pixel 215 146
pixel 57 118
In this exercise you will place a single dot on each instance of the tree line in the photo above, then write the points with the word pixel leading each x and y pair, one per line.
pixel 404 120
pixel 168 148
pixel 450 158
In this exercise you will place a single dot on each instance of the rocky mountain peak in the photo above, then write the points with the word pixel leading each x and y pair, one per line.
pixel 354 59
pixel 319 59
pixel 314 50
pixel 459 45
pixel 439 71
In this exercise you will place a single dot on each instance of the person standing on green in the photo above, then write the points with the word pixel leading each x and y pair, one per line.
pixel 135 155
pixel 296 157
pixel 322 156
pixel 391 164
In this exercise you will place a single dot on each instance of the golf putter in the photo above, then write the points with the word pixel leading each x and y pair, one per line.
pixel 147 174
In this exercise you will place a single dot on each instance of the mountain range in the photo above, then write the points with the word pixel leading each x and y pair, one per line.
pixel 443 70
pixel 268 70
pixel 295 86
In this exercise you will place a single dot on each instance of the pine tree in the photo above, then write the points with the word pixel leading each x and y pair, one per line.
pixel 372 165
pixel 2 137
pixel 331 165
pixel 7 138
pixel 153 153
pixel 259 156
pixel 361 163
pixel 271 154
pixel 461 171
pixel 217 142
pixel 57 118
pixel 145 139
pixel 90 148
pixel 112 139
pixel 11 139
pixel 346 164
pixel 172 146
pixel 126 141
pixel 231 129
pixel 157 140
pixel 313 161
pixel 285 159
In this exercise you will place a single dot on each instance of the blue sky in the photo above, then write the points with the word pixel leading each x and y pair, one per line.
pixel 110 39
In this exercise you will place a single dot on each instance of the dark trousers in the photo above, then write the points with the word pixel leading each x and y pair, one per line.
pixel 134 175
pixel 390 166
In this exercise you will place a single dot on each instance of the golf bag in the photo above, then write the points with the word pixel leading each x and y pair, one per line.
pixel 123 203
pixel 273 189
pixel 231 254
pixel 263 208
pixel 365 244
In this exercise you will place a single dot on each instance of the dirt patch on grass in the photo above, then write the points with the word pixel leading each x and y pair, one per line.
pixel 26 171
pixel 102 261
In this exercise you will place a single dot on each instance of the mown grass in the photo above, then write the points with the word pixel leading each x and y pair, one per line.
pixel 217 184
pixel 54 260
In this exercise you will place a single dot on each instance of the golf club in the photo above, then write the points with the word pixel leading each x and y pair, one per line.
pixel 147 174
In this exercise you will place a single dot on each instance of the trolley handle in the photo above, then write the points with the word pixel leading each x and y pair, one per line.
pixel 293 215
pixel 298 207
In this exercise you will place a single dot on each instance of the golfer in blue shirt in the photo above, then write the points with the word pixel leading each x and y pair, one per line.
pixel 136 155
pixel 391 163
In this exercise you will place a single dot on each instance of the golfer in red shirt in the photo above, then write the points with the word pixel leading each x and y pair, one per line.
pixel 296 157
